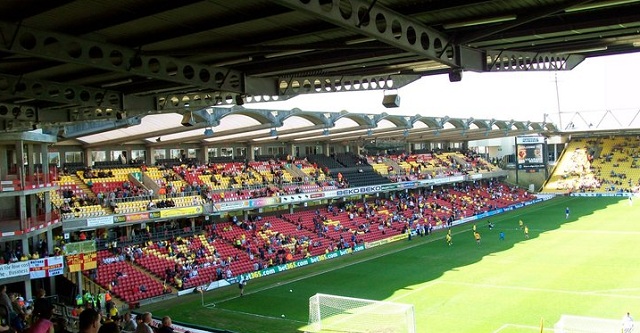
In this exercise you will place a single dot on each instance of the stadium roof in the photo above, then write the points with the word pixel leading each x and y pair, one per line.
pixel 77 68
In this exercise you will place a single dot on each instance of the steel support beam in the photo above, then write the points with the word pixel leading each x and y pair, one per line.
pixel 20 87
pixel 18 112
pixel 323 84
pixel 88 128
pixel 536 15
pixel 384 25
pixel 288 87
pixel 217 134
pixel 515 61
pixel 194 101
pixel 68 49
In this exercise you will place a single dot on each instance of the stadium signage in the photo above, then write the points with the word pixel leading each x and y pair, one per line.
pixel 261 202
pixel 182 211
pixel 137 217
pixel 82 262
pixel 46 267
pixel 386 240
pixel 530 151
pixel 233 205
pixel 359 190
pixel 99 221
pixel 530 139
pixel 602 194
pixel 14 269
pixel 296 264
pixel 81 247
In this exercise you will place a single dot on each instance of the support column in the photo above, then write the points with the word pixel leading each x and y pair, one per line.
pixel 20 162
pixel 44 154
pixel 4 162
pixel 28 294
pixel 49 240
pixel 87 158
pixel 290 208
pixel 148 156
pixel 325 147
pixel 201 154
pixel 80 282
pixel 31 170
pixel 252 153
pixel 206 154
pixel 152 156
pixel 33 208
pixel 22 204
pixel 292 150
pixel 24 242
pixel 50 246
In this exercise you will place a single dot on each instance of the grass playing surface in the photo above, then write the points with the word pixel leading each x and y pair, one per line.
pixel 587 265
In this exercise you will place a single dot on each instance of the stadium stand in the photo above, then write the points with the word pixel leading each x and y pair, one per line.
pixel 605 164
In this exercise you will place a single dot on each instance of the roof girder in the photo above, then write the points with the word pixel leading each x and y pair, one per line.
pixel 385 25
pixel 61 47
pixel 26 88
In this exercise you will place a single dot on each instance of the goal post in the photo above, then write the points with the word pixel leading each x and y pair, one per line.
pixel 579 324
pixel 331 313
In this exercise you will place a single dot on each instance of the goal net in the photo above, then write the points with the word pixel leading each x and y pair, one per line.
pixel 578 324
pixel 330 313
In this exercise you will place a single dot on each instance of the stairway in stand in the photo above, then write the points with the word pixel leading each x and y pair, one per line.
pixel 295 172
pixel 396 168
pixel 88 192
pixel 81 185
pixel 154 277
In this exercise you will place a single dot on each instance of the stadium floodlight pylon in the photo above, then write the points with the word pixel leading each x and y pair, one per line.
pixel 579 324
pixel 332 313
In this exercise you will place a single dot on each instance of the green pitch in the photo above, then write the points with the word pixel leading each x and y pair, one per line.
pixel 587 265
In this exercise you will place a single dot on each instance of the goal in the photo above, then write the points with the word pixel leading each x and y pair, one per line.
pixel 578 324
pixel 331 313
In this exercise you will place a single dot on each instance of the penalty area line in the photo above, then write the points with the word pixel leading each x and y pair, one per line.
pixel 261 316
pixel 528 327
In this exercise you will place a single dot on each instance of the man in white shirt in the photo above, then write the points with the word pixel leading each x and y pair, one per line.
pixel 627 323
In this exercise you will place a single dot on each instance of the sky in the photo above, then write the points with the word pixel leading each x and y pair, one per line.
pixel 584 93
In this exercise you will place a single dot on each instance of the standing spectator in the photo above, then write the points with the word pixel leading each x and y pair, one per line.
pixel 41 304
pixel 6 302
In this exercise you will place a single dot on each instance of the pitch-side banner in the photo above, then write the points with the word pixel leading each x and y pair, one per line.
pixel 46 267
